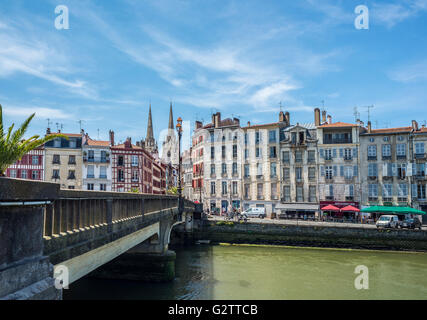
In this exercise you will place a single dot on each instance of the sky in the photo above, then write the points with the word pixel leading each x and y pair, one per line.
pixel 244 59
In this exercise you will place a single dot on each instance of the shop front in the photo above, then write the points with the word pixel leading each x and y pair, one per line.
pixel 303 211
pixel 340 210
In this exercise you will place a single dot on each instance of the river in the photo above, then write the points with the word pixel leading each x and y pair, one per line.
pixel 272 272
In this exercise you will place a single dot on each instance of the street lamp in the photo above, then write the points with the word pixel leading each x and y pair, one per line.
pixel 179 130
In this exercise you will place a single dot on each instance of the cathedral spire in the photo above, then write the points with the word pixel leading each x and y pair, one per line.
pixel 150 135
pixel 171 126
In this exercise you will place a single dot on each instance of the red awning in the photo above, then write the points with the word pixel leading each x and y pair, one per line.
pixel 330 208
pixel 350 209
pixel 196 202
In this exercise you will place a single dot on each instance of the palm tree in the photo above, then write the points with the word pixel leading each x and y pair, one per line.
pixel 13 147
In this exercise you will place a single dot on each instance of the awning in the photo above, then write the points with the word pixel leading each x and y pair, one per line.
pixel 297 206
pixel 330 208
pixel 350 209
pixel 395 210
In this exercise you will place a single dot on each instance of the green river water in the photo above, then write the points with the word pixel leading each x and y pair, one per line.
pixel 271 272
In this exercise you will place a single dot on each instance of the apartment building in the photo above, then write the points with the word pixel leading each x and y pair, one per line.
pixel 338 159
pixel 187 181
pixel 261 164
pixel 299 169
pixel 30 166
pixel 96 164
pixel 64 161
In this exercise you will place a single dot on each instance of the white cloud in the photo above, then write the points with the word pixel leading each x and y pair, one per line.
pixel 391 14
pixel 40 112
pixel 410 73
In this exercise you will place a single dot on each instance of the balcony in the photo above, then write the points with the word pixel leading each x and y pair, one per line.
pixel 102 176
pixel 96 160
pixel 310 160
pixel 348 158
pixel 387 199
pixel 388 157
pixel 259 176
pixel 224 174
pixel 372 177
pixel 90 176
pixel 260 197
pixel 213 175
pixel 55 177
pixel 72 161
pixel 401 157
pixel 402 199
pixel 71 177
pixel 329 197
pixel 337 141
pixel 372 158
pixel 373 198
pixel 421 176
pixel 235 174
pixel 349 198
pixel 56 162
pixel 420 155
pixel 388 178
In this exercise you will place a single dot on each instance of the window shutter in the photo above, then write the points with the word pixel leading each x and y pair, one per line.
pixel 342 171
pixel 384 169
pixel 347 190
pixel 394 169
pixel 354 152
pixel 355 171
pixel 409 170
pixel 334 153
pixel 322 171
pixel 335 171
pixel 414 191
pixel 322 153
pixel 341 153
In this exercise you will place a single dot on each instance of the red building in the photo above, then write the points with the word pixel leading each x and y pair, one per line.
pixel 31 166
pixel 132 168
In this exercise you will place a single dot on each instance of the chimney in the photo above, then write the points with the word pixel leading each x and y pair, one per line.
pixel 414 125
pixel 217 120
pixel 128 142
pixel 362 124
pixel 369 127
pixel 48 131
pixel 138 144
pixel 323 116
pixel 329 119
pixel 111 137
pixel 281 117
pixel 287 118
pixel 236 121
pixel 198 124
pixel 317 117
pixel 249 123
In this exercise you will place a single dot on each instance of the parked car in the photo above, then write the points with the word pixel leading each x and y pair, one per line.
pixel 388 221
pixel 411 224
pixel 255 213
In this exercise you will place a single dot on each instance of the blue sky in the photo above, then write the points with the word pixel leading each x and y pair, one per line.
pixel 238 57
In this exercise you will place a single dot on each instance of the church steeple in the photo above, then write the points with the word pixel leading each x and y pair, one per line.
pixel 150 135
pixel 171 126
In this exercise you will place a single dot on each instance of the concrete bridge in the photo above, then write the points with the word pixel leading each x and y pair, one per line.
pixel 48 233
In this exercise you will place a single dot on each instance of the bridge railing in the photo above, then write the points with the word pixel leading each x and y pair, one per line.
pixel 69 210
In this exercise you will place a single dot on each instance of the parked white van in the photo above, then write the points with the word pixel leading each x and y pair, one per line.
pixel 255 213
pixel 388 221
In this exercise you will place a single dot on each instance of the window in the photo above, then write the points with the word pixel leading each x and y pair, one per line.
pixel 234 168
pixel 246 153
pixel 300 195
pixel 35 160
pixel 246 139
pixel 401 149
pixel 224 187
pixel 386 139
pixel 259 190
pixel 120 176
pixel 419 148
pixel 35 175
pixel 287 193
pixel 234 150
pixel 90 172
pixel 71 159
pixel 90 186
pixel 103 156
pixel 421 191
pixel 259 169
pixel 56 159
pixel 247 190
pixel 312 194
pixel 274 191
pixel 55 174
pixel 328 172
pixel 347 154
pixel 13 173
pixel 234 187
pixel 311 173
pixel 134 161
pixel 372 170
pixel 24 174
pixel 212 187
pixel 73 143
pixel 91 155
pixel 373 190
pixel 286 173
pixel 258 152
pixel 371 139
pixel 311 156
pixel 272 136
pixel 273 169
pixel 57 143
pixel 386 150
pixel 212 169
pixel 103 187
pixel 120 161
pixel 71 187
pixel 401 170
pixel 328 154
pixel 224 168
pixel 285 156
pixel 246 170
pixel 212 152
pixel 387 191
pixel 103 172
pixel 272 152
pixel 372 151
pixel 134 175
pixel 257 137
pixel 71 175
pixel 223 152
pixel 420 169
pixel 298 156
pixel 298 173
pixel 348 172
pixel 402 190
pixel 212 137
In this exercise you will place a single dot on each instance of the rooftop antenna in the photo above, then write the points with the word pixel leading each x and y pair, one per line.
pixel 280 104
pixel 59 125
pixel 376 124
pixel 356 114
pixel 48 122
pixel 80 123
pixel 369 112
pixel 98 134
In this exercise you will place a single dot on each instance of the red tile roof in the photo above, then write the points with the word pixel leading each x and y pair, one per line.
pixel 338 125
pixel 66 134
pixel 99 143
pixel 260 125
pixel 391 130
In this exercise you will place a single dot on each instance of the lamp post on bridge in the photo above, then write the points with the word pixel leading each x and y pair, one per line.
pixel 179 130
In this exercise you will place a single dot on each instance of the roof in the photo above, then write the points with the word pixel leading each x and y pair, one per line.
pixel 77 135
pixel 122 146
pixel 223 123
pixel 261 125
pixel 338 125
pixel 99 143
pixel 390 130
pixel 304 125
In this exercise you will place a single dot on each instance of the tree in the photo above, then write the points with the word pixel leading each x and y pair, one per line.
pixel 173 190
pixel 13 146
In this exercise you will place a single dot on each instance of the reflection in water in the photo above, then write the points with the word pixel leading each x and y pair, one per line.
pixel 269 272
